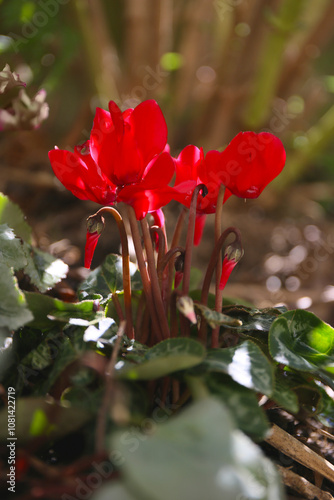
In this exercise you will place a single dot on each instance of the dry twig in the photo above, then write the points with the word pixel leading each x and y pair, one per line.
pixel 302 486
pixel 293 448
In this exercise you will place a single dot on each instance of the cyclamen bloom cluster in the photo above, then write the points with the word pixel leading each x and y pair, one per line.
pixel 127 160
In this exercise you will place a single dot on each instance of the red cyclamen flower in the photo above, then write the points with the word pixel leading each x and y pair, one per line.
pixel 245 168
pixel 125 159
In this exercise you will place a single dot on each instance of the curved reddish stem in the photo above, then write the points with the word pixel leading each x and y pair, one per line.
pixel 156 292
pixel 188 249
pixel 190 237
pixel 175 243
pixel 167 258
pixel 162 242
pixel 126 267
pixel 219 265
pixel 143 272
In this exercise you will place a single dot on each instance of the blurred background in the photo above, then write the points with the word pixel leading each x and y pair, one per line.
pixel 215 67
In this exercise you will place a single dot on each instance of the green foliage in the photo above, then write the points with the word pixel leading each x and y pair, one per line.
pixel 17 254
pixel 13 310
pixel 245 363
pixel 301 341
pixel 164 358
pixel 197 452
pixel 36 417
pixel 214 318
pixel 11 214
pixel 61 351
pixel 108 278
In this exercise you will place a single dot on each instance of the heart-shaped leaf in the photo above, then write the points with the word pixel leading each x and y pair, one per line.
pixel 11 214
pixel 300 340
pixel 245 363
pixel 108 278
pixel 167 357
pixel 242 403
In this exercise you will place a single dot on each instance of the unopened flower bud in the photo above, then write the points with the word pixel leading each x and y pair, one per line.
pixel 179 263
pixel 185 305
pixel 234 252
pixel 95 224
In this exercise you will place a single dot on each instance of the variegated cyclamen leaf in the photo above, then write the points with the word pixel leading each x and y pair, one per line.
pixel 214 318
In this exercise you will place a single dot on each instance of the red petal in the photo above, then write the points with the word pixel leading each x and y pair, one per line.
pixel 159 218
pixel 102 126
pixel 187 164
pixel 199 228
pixel 145 201
pixel 228 266
pixel 250 162
pixel 150 129
pixel 91 242
pixel 114 147
pixel 183 192
pixel 159 171
pixel 80 175
pixel 117 119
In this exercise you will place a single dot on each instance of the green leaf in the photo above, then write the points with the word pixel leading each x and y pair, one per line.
pixel 11 214
pixel 242 403
pixel 300 340
pixel 36 417
pixel 197 454
pixel 82 397
pixel 105 327
pixel 214 318
pixel 11 250
pixel 168 356
pixel 39 358
pixel 253 319
pixel 108 278
pixel 64 354
pixel 245 363
pixel 111 310
pixel 43 269
pixel 326 408
pixel 114 489
pixel 47 310
pixel 283 394
pixel 13 308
